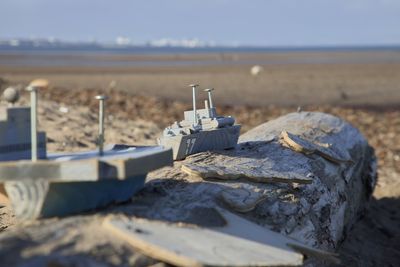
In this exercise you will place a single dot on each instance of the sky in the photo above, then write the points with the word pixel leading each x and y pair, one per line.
pixel 222 22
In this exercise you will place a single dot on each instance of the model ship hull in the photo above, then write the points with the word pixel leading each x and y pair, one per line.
pixel 214 139
pixel 37 200
pixel 65 184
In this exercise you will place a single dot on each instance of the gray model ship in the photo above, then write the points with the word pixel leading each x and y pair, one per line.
pixel 40 184
pixel 201 130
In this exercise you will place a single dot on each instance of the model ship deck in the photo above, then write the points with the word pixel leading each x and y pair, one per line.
pixel 118 162
pixel 66 183
pixel 200 130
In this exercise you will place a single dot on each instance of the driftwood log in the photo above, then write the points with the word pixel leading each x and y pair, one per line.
pixel 306 175
pixel 314 195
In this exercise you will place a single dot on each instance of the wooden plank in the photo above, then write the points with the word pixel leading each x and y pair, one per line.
pixel 189 245
pixel 243 228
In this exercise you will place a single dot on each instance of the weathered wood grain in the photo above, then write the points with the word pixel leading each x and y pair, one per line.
pixel 242 200
pixel 307 147
pixel 238 243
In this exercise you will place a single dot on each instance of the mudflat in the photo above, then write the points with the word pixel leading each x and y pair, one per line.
pixel 345 78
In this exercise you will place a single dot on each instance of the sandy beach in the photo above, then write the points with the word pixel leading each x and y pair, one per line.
pixel 287 79
pixel 360 87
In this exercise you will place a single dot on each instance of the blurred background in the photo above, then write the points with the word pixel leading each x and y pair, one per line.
pixel 264 58
pixel 263 52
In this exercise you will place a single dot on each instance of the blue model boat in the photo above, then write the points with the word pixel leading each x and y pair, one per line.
pixel 39 184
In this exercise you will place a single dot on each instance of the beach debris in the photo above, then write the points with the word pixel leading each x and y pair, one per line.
pixel 112 85
pixel 256 70
pixel 238 243
pixel 63 109
pixel 201 130
pixel 304 146
pixel 11 95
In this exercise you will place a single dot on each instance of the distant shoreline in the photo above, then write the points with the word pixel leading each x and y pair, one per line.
pixel 361 78
pixel 144 49
pixel 183 59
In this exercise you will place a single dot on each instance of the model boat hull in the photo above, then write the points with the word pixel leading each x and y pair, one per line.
pixel 65 184
pixel 207 140
pixel 38 200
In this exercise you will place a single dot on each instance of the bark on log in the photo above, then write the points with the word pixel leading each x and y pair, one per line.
pixel 341 165
pixel 328 207
pixel 318 212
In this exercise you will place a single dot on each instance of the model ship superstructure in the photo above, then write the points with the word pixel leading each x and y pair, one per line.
pixel 39 184
pixel 201 130
pixel 15 140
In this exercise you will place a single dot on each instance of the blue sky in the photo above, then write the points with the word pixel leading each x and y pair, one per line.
pixel 227 22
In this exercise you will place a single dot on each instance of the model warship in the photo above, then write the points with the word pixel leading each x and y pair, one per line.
pixel 201 130
pixel 39 184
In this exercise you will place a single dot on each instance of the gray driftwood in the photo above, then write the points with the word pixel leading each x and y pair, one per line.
pixel 318 213
pixel 331 157
pixel 237 243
